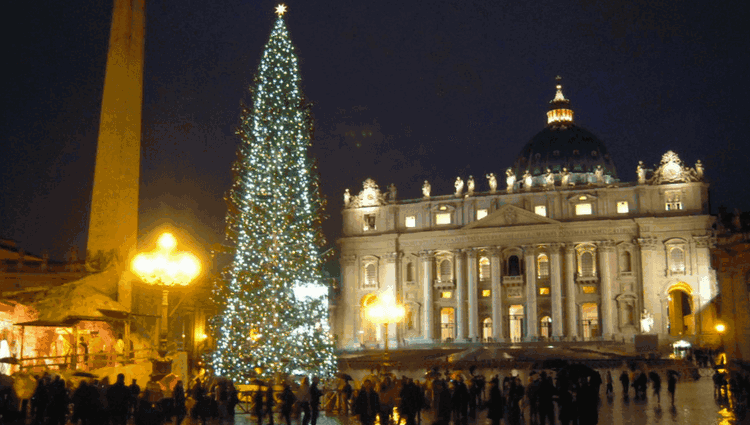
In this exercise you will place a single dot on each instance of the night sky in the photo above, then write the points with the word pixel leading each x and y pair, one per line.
pixel 402 92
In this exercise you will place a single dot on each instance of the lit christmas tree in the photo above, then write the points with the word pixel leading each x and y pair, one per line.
pixel 275 306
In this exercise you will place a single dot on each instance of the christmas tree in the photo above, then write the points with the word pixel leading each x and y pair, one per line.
pixel 274 301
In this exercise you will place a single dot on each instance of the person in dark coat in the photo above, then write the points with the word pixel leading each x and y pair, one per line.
pixel 496 402
pixel 460 400
pixel 671 385
pixel 180 410
pixel 135 391
pixel 625 381
pixel 656 383
pixel 367 403
pixel 287 402
pixel 258 405
pixel 270 403
pixel 315 395
pixel 118 401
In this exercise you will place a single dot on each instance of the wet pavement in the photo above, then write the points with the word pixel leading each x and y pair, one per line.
pixel 694 405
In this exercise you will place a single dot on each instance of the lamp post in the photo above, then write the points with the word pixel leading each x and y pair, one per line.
pixel 721 329
pixel 385 311
pixel 166 267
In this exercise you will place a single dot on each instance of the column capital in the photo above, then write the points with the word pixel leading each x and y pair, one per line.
pixel 495 251
pixel 649 243
pixel 606 245
pixel 426 254
pixel 391 257
pixel 528 249
pixel 570 248
pixel 706 241
pixel 471 252
pixel 555 247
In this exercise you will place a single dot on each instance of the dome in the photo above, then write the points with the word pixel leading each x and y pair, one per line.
pixel 563 144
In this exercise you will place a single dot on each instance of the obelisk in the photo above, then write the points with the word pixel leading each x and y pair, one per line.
pixel 113 225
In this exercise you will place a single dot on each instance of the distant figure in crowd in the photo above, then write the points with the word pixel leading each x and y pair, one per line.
pixel 315 395
pixel 625 381
pixel 287 402
pixel 367 403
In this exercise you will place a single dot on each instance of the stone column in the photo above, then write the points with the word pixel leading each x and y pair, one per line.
pixel 607 250
pixel 555 272
pixel 473 302
pixel 393 283
pixel 460 296
pixel 532 327
pixel 349 286
pixel 497 295
pixel 428 308
pixel 570 291
pixel 650 295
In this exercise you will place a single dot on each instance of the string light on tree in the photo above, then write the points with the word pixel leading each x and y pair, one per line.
pixel 274 301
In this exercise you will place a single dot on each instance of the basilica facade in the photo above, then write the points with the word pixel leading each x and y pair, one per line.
pixel 559 249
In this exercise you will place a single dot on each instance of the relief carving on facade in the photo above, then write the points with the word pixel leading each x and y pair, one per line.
pixel 648 243
pixel 672 170
pixel 370 196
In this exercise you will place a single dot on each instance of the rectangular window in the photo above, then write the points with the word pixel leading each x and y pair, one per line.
pixel 543 291
pixel 589 289
pixel 674 206
pixel 410 221
pixel 369 222
pixel 443 218
pixel 583 209
pixel 486 293
pixel 446 294
pixel 673 201
pixel 482 213
pixel 622 207
pixel 541 210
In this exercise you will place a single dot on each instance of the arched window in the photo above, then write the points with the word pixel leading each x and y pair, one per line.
pixel 514 266
pixel 542 266
pixel 587 263
pixel 446 271
pixel 409 272
pixel 371 275
pixel 484 268
pixel 677 260
pixel 625 265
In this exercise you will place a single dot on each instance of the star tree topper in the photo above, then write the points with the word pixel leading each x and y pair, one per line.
pixel 281 9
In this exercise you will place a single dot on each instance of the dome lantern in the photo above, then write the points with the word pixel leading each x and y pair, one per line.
pixel 560 112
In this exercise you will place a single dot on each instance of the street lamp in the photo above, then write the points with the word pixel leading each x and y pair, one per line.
pixel 384 311
pixel 166 267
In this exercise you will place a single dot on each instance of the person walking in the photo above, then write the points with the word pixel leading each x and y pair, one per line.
pixel 258 405
pixel 496 403
pixel 610 388
pixel 287 402
pixel 656 383
pixel 180 409
pixel 367 403
pixel 671 384
pixel 303 396
pixel 315 395
pixel 625 381
pixel 270 403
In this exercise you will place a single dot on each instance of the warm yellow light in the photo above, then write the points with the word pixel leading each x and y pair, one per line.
pixel 164 266
pixel 720 328
pixel 385 310
pixel 281 9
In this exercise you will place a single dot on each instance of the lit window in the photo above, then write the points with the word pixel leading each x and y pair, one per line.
pixel 673 201
pixel 543 291
pixel 482 213
pixel 371 275
pixel 484 268
pixel 542 266
pixel 541 210
pixel 486 293
pixel 369 222
pixel 674 206
pixel 677 260
pixel 588 289
pixel 583 209
pixel 411 221
pixel 622 207
pixel 586 266
pixel 443 218
pixel 446 294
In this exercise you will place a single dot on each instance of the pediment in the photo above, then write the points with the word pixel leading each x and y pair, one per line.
pixel 509 215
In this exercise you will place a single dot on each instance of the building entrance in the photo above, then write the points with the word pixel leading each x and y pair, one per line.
pixel 680 310
pixel 447 324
